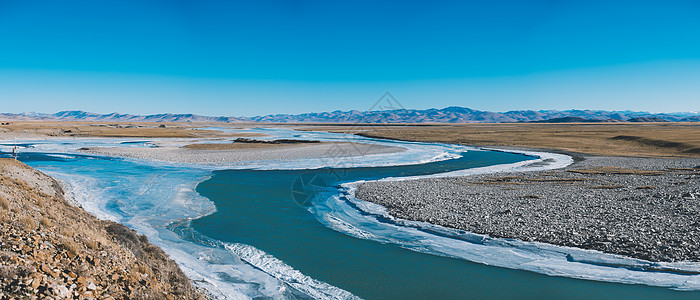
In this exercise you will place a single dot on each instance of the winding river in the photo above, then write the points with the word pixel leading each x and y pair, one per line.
pixel 298 232
pixel 258 208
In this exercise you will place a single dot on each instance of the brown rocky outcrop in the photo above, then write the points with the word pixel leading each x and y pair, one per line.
pixel 50 249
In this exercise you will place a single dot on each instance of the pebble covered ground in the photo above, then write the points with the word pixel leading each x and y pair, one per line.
pixel 647 208
pixel 302 151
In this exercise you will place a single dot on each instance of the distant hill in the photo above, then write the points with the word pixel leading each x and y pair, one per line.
pixel 452 114
pixel 575 120
pixel 647 119
pixel 690 119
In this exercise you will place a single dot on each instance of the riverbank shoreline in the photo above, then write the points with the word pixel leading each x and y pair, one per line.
pixel 636 207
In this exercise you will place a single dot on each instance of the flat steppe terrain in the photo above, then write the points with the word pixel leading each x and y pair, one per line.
pixel 609 139
pixel 229 147
pixel 122 129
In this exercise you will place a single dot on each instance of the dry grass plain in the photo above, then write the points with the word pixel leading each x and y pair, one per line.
pixel 609 139
pixel 97 129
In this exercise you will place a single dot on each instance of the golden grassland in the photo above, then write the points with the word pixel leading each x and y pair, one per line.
pixel 101 129
pixel 610 139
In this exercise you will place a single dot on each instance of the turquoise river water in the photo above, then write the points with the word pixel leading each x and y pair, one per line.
pixel 259 208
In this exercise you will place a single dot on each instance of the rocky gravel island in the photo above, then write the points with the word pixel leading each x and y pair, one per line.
pixel 646 208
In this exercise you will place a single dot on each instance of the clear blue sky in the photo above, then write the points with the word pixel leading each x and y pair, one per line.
pixel 262 57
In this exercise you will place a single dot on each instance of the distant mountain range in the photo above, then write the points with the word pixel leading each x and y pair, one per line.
pixel 452 114
pixel 77 115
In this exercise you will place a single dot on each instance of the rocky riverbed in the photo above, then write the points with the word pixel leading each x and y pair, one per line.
pixel 647 208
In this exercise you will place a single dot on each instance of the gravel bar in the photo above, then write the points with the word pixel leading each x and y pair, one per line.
pixel 646 208
pixel 214 157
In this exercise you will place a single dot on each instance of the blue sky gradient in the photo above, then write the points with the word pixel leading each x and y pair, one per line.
pixel 262 57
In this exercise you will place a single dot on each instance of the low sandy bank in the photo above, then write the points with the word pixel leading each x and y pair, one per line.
pixel 246 143
pixel 638 207
pixel 245 153
pixel 52 250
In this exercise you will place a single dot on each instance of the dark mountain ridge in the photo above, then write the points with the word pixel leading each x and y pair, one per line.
pixel 452 114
